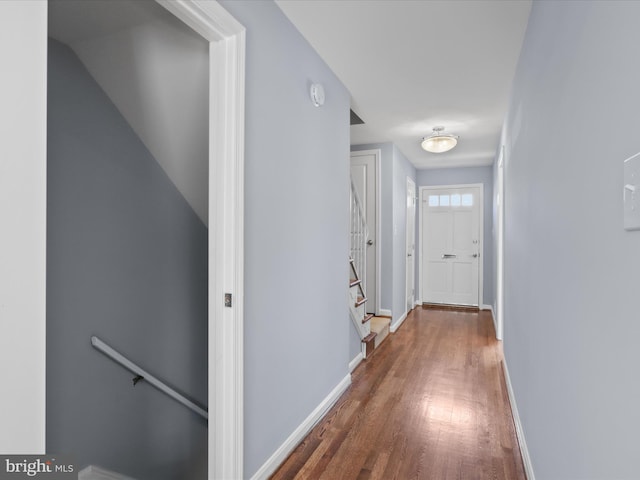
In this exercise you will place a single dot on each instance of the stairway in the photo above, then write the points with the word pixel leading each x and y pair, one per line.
pixel 359 315
pixel 372 333
pixel 380 326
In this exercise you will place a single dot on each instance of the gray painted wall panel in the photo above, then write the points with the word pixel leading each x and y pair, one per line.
pixel 460 176
pixel 127 261
pixel 297 325
pixel 571 324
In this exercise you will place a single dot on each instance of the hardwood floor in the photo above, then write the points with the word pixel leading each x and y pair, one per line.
pixel 431 403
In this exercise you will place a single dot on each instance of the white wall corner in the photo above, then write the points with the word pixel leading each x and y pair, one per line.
pixel 355 362
pixel 396 325
pixel 302 431
pixel 524 451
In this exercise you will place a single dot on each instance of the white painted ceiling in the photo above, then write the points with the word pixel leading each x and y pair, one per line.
pixel 156 72
pixel 412 65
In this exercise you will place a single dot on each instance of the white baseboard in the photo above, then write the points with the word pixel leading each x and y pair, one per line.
pixel 299 433
pixel 384 313
pixel 355 362
pixel 493 317
pixel 524 451
pixel 396 325
pixel 418 303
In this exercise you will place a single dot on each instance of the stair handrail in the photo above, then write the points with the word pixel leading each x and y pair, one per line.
pixel 142 374
pixel 359 235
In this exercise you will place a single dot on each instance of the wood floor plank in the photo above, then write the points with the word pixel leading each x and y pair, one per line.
pixel 431 403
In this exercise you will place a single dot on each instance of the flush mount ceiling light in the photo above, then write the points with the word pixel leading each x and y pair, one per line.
pixel 439 142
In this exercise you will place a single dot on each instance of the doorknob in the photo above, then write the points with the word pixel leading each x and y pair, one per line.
pixel 408 254
pixel 369 242
pixel 475 255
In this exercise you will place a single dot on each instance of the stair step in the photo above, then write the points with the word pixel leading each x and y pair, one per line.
pixel 354 281
pixel 369 342
pixel 361 301
pixel 369 337
pixel 380 325
pixel 367 317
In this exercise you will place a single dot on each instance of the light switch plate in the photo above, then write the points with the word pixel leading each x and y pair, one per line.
pixel 631 192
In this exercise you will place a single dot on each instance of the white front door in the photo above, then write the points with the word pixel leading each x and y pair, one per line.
pixel 364 174
pixel 451 244
pixel 411 243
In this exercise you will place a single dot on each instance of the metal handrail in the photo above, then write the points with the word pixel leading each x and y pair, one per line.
pixel 143 374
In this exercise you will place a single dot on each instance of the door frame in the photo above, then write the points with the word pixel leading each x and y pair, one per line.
pixel 480 186
pixel 499 314
pixel 377 154
pixel 406 293
pixel 226 38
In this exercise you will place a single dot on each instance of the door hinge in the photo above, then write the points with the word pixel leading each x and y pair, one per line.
pixel 228 300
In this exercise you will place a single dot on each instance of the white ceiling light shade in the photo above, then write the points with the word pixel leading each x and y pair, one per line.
pixel 439 142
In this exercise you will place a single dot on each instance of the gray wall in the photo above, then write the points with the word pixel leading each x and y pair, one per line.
pixel 127 261
pixel 296 231
pixel 460 176
pixel 571 270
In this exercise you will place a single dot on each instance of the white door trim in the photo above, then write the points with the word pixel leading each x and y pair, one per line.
pixel 406 243
pixel 226 227
pixel 377 154
pixel 480 186
pixel 499 316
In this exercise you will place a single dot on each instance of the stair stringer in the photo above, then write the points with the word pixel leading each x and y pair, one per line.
pixel 358 313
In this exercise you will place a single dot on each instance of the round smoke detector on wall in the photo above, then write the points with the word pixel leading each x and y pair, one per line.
pixel 317 94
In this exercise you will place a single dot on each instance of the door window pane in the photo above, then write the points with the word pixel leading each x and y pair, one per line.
pixel 433 200
pixel 455 200
pixel 467 200
pixel 444 200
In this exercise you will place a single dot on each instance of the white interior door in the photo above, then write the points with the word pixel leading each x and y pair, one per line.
pixel 451 245
pixel 364 175
pixel 411 243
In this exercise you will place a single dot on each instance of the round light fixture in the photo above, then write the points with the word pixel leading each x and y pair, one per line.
pixel 439 142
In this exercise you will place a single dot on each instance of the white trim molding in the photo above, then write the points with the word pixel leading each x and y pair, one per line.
pixel 383 312
pixel 226 227
pixel 396 325
pixel 493 318
pixel 355 362
pixel 302 431
pixel 524 451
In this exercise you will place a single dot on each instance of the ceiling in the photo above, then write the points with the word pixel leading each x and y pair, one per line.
pixel 411 65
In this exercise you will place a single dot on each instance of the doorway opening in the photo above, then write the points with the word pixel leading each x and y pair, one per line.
pixel 365 175
pixel 129 253
pixel 451 233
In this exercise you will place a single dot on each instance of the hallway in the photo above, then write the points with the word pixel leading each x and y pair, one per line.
pixel 431 403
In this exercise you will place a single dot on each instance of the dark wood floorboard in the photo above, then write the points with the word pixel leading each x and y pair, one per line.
pixel 430 403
